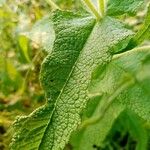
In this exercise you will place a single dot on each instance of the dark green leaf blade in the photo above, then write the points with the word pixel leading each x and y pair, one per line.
pixel 72 100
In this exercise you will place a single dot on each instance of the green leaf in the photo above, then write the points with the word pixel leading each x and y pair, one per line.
pixel 80 45
pixel 42 33
pixel 120 7
pixel 10 79
pixel 123 83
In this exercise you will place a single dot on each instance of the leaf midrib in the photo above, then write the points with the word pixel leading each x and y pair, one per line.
pixel 69 76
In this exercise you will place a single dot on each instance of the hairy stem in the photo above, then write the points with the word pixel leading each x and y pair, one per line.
pixel 92 8
pixel 102 6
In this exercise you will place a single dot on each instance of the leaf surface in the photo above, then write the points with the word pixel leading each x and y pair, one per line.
pixel 80 45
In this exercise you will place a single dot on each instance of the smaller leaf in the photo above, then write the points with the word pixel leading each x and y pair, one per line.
pixel 120 7
pixel 129 66
pixel 122 84
pixel 10 78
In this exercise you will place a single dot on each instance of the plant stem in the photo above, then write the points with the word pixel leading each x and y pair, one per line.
pixel 92 8
pixel 52 4
pixel 102 6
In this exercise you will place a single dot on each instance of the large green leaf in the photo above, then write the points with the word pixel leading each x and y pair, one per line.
pixel 120 7
pixel 80 45
pixel 123 83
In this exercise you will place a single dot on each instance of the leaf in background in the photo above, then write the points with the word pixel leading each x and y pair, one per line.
pixel 10 78
pixel 144 32
pixel 80 45
pixel 94 6
pixel 120 7
pixel 94 135
pixel 123 83
pixel 43 34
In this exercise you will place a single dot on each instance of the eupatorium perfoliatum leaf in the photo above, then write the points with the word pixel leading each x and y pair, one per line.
pixel 81 44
